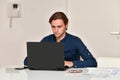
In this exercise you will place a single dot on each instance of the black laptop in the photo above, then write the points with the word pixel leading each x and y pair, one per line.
pixel 45 56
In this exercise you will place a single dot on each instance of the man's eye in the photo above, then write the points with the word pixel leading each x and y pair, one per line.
pixel 59 26
pixel 53 26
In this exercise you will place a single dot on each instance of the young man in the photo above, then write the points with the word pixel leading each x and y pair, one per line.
pixel 74 47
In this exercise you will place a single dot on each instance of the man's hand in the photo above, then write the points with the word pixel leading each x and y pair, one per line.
pixel 68 63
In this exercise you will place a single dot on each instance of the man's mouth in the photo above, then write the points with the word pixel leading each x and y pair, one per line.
pixel 56 33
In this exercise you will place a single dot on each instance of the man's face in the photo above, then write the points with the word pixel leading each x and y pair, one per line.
pixel 58 28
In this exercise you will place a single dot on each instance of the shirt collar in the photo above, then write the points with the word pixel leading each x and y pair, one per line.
pixel 62 39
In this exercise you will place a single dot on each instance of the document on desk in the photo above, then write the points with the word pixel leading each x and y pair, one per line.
pixel 102 72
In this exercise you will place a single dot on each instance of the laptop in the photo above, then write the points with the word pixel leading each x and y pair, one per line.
pixel 45 56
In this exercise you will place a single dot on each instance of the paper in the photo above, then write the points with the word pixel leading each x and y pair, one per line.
pixel 102 72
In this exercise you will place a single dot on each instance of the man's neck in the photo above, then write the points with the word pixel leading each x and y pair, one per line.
pixel 61 37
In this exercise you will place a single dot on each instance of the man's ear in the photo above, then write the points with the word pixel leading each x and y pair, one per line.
pixel 66 26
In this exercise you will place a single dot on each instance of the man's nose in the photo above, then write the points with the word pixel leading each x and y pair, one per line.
pixel 56 29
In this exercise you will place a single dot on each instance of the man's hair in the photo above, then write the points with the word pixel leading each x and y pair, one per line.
pixel 59 15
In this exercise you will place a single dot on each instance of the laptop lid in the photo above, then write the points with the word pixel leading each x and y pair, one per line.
pixel 45 55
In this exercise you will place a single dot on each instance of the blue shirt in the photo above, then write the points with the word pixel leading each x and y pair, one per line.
pixel 74 49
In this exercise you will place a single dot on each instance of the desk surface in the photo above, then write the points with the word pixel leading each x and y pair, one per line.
pixel 86 74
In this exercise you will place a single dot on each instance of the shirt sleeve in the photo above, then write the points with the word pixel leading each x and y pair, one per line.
pixel 88 59
pixel 25 62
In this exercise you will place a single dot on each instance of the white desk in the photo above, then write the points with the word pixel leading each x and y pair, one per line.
pixel 87 74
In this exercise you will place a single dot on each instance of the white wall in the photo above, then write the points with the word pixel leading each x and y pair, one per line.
pixel 87 19
pixel 92 21
pixel 32 26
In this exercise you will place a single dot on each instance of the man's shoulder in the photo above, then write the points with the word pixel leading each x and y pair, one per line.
pixel 48 38
pixel 74 39
pixel 71 36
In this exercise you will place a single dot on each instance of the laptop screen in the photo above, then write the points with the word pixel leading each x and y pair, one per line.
pixel 45 55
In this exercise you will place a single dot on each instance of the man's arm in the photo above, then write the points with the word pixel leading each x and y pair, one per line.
pixel 88 59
